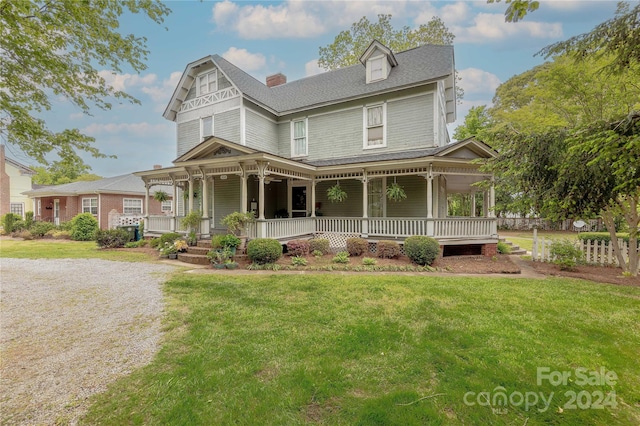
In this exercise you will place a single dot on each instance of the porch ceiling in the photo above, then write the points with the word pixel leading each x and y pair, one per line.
pixel 462 183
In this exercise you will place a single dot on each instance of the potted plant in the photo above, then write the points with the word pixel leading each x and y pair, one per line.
pixel 181 246
pixel 230 242
pixel 160 196
pixel 192 223
pixel 395 192
pixel 236 224
pixel 169 250
pixel 219 258
pixel 335 194
pixel 230 264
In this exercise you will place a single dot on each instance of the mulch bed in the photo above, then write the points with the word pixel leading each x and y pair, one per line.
pixel 601 274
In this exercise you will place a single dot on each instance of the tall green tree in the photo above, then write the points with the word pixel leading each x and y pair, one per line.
pixel 476 123
pixel 350 44
pixel 56 48
pixel 63 171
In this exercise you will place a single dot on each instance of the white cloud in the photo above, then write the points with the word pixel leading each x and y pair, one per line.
pixel 286 20
pixel 138 130
pixel 126 81
pixel 474 80
pixel 161 93
pixel 312 68
pixel 245 60
pixel 77 116
pixel 489 27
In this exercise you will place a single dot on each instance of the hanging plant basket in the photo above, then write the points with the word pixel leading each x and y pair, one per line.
pixel 160 196
pixel 395 192
pixel 335 194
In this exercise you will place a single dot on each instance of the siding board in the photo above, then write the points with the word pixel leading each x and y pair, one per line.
pixel 261 134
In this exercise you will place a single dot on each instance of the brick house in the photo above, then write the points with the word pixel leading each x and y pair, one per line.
pixel 122 197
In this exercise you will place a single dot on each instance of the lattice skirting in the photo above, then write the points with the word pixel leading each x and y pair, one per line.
pixel 338 242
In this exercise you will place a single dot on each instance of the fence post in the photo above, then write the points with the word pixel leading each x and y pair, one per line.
pixel 534 249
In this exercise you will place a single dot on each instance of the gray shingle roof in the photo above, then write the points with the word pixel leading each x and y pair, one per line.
pixel 415 66
pixel 129 183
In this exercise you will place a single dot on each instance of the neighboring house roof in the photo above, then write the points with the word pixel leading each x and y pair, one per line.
pixel 417 66
pixel 24 169
pixel 123 184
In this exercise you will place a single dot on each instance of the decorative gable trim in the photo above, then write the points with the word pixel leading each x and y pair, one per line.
pixel 214 147
pixel 467 147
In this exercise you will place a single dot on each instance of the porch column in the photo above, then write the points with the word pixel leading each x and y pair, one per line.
pixel 473 203
pixel 492 199
pixel 430 224
pixel 243 188
pixel 205 226
pixel 262 168
pixel 313 198
pixel 485 204
pixel 190 194
pixel 146 208
pixel 174 202
pixel 365 204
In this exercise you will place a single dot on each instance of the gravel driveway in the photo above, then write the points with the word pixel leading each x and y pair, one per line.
pixel 70 327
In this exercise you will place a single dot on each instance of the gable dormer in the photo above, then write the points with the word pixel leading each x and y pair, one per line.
pixel 378 60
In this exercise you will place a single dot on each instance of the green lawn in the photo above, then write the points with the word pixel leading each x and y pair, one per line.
pixel 382 350
pixel 65 249
pixel 524 239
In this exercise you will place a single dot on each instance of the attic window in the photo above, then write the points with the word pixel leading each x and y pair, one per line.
pixel 207 83
pixel 376 68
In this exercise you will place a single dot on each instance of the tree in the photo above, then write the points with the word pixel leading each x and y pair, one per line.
pixel 618 37
pixel 350 44
pixel 475 123
pixel 517 9
pixel 51 48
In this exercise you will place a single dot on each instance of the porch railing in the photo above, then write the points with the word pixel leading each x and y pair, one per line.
pixel 476 227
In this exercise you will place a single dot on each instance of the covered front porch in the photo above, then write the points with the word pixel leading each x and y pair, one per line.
pixel 289 198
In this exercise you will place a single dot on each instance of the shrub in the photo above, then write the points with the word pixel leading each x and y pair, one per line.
pixel 565 254
pixel 154 242
pixel 369 261
pixel 28 220
pixel 298 261
pixel 298 247
pixel 341 257
pixel 387 249
pixel 59 234
pixel 11 222
pixel 603 236
pixel 317 253
pixel 319 244
pixel 112 238
pixel 84 227
pixel 357 246
pixel 24 234
pixel 421 250
pixel 503 248
pixel 40 229
pixel 264 250
pixel 169 237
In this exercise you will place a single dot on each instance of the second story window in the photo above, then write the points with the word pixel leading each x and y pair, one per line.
pixel 299 138
pixel 207 83
pixel 206 127
pixel 374 131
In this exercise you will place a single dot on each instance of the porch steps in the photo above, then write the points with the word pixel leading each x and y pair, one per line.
pixel 516 250
pixel 196 255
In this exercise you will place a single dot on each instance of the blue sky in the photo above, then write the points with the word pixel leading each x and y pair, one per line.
pixel 264 38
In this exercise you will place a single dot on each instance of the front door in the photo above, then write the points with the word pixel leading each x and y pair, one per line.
pixel 299 200
pixel 56 212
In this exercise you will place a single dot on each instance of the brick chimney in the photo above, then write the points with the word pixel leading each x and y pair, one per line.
pixel 276 80
pixel 5 185
pixel 157 166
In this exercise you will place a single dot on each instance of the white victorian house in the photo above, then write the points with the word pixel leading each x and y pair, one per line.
pixel 276 149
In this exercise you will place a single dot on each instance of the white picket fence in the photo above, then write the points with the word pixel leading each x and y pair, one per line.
pixel 595 252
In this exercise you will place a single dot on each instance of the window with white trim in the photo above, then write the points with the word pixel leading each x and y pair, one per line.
pixel 206 127
pixel 17 208
pixel 374 126
pixel 207 83
pixel 299 138
pixel 90 205
pixel 39 207
pixel 132 206
pixel 166 206
pixel 376 69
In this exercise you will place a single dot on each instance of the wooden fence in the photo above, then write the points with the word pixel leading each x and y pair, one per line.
pixel 595 252
pixel 520 223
